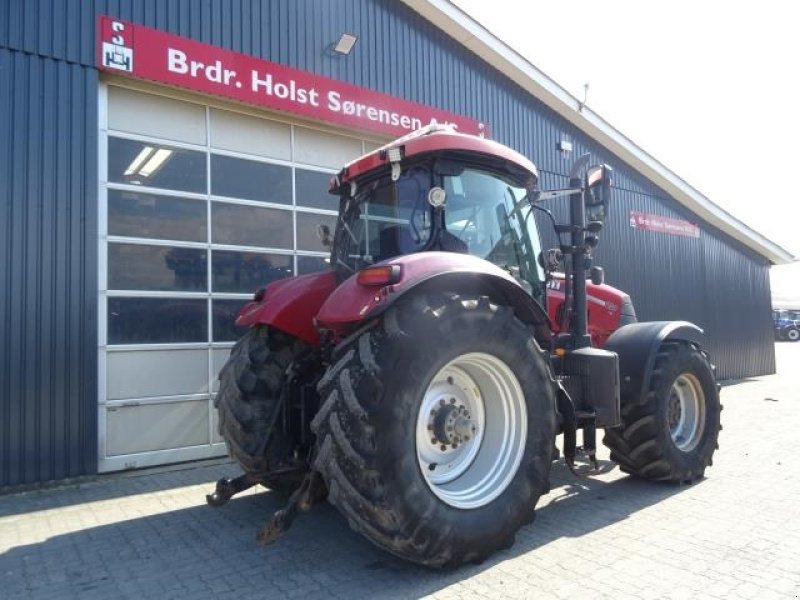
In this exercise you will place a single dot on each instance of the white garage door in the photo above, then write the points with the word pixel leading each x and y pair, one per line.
pixel 199 206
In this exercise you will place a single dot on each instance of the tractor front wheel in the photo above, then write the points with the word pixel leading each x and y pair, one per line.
pixel 671 434
pixel 436 429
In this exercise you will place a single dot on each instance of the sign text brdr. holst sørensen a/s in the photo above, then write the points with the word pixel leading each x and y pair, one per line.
pixel 157 56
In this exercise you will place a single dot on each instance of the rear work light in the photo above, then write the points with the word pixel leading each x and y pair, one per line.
pixel 379 276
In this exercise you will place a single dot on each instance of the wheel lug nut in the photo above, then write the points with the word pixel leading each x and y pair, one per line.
pixel 450 380
pixel 441 402
pixel 443 447
pixel 433 440
pixel 430 427
pixel 452 400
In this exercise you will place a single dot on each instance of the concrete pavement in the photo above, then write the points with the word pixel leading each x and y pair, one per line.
pixel 150 535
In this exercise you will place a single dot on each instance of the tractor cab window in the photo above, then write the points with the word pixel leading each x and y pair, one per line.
pixel 385 219
pixel 491 216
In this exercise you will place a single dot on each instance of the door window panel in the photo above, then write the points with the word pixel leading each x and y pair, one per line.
pixel 157 320
pixel 161 268
pixel 245 272
pixel 156 165
pixel 250 180
pixel 241 225
pixel 135 214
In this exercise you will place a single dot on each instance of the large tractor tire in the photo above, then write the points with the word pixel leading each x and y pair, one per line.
pixel 792 334
pixel 436 429
pixel 249 403
pixel 672 433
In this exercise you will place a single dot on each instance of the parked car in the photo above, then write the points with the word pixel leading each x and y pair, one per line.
pixel 787 324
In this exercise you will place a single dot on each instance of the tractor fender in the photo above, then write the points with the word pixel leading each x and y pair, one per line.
pixel 637 345
pixel 352 303
pixel 290 305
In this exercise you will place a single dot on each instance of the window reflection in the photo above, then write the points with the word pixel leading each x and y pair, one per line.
pixel 156 165
pixel 311 189
pixel 307 224
pixel 157 320
pixel 136 214
pixel 245 272
pixel 250 180
pixel 223 318
pixel 312 264
pixel 161 268
pixel 251 226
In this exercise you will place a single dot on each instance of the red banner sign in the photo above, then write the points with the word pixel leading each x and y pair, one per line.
pixel 150 54
pixel 648 222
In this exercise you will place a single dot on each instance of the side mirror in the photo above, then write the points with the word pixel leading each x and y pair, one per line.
pixel 597 195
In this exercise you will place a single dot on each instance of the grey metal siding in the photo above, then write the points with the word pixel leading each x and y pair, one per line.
pixel 48 164
pixel 48 181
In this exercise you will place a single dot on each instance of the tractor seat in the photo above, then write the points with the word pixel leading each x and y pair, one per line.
pixel 395 241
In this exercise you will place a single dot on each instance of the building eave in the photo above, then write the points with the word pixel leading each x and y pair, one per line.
pixel 471 34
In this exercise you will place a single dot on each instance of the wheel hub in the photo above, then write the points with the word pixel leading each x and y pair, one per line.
pixel 451 424
pixel 686 412
pixel 471 430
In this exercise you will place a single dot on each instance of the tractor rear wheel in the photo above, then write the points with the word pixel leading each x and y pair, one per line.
pixel 792 334
pixel 436 429
pixel 671 435
pixel 251 392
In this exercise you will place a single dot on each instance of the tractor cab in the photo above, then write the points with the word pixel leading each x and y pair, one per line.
pixel 444 197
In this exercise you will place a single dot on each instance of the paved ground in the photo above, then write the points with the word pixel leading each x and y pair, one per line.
pixel 734 535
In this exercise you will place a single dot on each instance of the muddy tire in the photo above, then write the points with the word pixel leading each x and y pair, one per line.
pixel 249 402
pixel 671 435
pixel 420 375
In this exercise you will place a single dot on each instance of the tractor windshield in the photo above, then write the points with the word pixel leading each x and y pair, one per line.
pixel 493 219
pixel 484 214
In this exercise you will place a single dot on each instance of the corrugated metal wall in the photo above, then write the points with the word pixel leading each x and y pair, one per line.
pixel 48 162
pixel 48 181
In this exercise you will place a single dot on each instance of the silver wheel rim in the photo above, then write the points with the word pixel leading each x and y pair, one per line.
pixel 686 412
pixel 793 335
pixel 471 430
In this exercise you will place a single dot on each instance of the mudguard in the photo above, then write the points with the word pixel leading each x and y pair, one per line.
pixel 352 303
pixel 637 345
pixel 291 305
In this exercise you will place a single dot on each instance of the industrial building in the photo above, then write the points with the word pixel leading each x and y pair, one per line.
pixel 159 160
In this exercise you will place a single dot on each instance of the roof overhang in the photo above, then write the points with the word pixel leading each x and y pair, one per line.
pixel 471 34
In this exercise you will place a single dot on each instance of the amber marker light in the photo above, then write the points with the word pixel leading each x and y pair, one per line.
pixel 379 276
pixel 560 352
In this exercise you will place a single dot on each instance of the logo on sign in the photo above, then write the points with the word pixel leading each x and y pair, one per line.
pixel 116 54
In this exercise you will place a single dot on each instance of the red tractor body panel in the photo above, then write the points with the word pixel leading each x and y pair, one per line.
pixel 352 302
pixel 604 303
pixel 291 305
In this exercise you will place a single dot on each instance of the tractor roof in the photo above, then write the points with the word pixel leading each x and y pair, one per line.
pixel 431 139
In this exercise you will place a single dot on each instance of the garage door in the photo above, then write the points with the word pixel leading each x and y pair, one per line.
pixel 199 206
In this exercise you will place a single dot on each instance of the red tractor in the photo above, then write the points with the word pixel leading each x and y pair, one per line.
pixel 420 383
